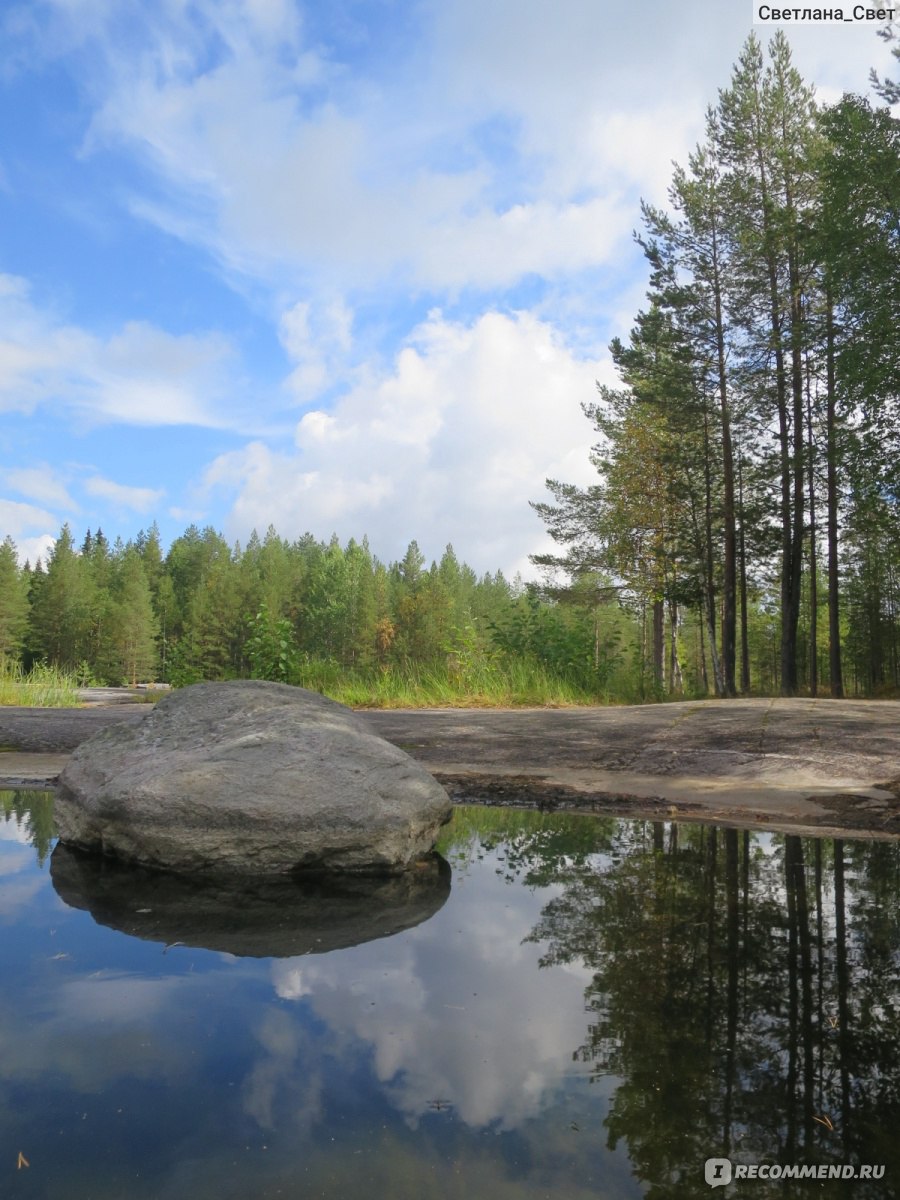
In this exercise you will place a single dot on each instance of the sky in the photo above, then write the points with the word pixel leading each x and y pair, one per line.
pixel 341 266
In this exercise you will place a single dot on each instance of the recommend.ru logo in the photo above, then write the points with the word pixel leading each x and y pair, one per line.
pixel 719 1171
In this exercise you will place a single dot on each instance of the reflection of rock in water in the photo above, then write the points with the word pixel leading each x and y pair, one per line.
pixel 247 916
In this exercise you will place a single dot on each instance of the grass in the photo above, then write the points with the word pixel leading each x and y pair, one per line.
pixel 492 685
pixel 41 687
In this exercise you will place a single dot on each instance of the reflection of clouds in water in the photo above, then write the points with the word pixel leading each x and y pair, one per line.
pixel 102 1027
pixel 288 978
pixel 18 884
pixel 113 998
pixel 284 1068
pixel 17 894
pixel 457 1009
pixel 14 830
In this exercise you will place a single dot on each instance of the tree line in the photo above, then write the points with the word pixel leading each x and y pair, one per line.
pixel 289 611
pixel 749 465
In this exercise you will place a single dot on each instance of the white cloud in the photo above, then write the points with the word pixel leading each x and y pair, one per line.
pixel 42 484
pixel 18 519
pixel 29 527
pixel 30 549
pixel 295 167
pixel 363 167
pixel 141 375
pixel 503 140
pixel 449 446
pixel 516 141
pixel 137 499
pixel 319 341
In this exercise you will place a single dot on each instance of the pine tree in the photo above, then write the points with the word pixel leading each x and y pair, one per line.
pixel 764 138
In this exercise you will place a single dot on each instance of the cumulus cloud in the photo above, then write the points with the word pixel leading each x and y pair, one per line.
pixel 318 341
pixel 349 169
pixel 447 446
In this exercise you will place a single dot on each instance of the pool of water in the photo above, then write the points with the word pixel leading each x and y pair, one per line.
pixel 575 1008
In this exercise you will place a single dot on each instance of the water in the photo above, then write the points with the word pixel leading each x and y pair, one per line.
pixel 587 1008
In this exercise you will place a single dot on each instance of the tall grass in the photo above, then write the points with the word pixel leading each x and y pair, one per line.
pixel 516 683
pixel 41 687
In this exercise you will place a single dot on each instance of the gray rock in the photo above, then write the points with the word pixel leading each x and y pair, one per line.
pixel 249 777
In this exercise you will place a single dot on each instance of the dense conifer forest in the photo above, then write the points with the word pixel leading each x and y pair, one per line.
pixel 744 531
pixel 309 612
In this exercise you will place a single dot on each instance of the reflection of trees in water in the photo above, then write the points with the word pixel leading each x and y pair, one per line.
pixel 746 998
pixel 538 847
pixel 33 810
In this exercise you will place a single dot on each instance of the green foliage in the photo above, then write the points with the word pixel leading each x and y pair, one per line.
pixel 316 614
pixel 271 650
pixel 13 601
pixel 513 683
pixel 575 642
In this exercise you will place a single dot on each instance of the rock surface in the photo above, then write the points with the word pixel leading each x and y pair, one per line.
pixel 249 777
pixel 267 917
pixel 831 766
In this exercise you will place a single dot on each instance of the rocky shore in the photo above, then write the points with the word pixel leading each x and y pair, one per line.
pixel 812 766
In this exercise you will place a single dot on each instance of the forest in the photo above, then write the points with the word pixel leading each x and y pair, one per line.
pixel 308 612
pixel 743 535
pixel 751 458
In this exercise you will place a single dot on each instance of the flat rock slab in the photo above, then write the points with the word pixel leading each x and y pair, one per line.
pixel 21 769
pixel 817 765
pixel 249 777
pixel 59 730
pixel 827 766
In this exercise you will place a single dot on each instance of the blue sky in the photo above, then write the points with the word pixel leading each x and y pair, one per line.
pixel 346 266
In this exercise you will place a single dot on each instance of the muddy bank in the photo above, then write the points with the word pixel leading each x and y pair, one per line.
pixel 807 765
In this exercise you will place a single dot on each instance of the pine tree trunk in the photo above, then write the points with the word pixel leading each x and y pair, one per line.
pixel 813 563
pixel 789 682
pixel 710 573
pixel 834 620
pixel 729 588
pixel 676 678
pixel 659 645
pixel 703 673
pixel 745 636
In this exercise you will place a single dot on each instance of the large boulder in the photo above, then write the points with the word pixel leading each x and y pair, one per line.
pixel 249 777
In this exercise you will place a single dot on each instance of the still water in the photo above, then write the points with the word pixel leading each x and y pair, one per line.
pixel 575 1008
